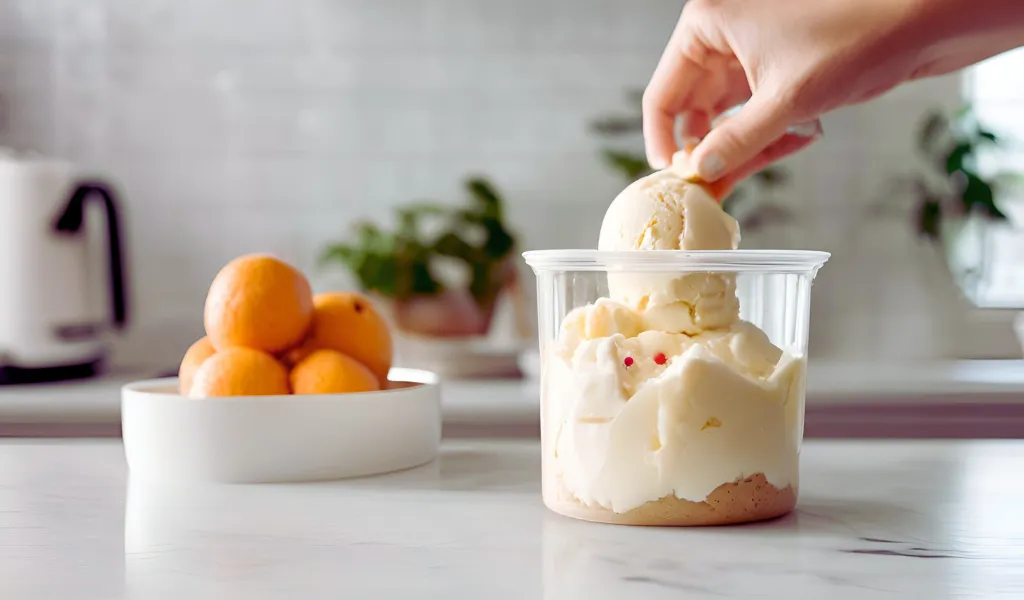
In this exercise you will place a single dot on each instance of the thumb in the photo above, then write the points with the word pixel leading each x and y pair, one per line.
pixel 739 138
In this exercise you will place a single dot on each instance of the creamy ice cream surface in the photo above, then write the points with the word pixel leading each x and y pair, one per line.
pixel 660 391
pixel 721 406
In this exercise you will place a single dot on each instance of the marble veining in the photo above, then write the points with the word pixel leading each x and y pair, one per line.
pixel 922 519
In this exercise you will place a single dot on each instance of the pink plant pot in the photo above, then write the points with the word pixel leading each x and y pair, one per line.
pixel 450 314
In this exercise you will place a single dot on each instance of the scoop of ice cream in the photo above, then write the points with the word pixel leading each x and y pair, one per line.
pixel 666 211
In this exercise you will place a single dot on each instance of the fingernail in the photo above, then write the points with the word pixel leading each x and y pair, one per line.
pixel 690 143
pixel 808 129
pixel 658 163
pixel 710 167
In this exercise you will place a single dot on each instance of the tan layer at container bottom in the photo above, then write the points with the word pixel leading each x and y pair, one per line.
pixel 751 499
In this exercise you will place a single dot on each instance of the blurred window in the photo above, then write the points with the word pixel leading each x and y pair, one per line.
pixel 994 256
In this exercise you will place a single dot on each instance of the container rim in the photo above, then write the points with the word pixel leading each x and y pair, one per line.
pixel 737 261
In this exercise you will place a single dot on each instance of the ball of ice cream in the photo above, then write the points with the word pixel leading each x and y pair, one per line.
pixel 667 211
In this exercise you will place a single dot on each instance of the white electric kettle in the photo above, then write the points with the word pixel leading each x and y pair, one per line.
pixel 51 327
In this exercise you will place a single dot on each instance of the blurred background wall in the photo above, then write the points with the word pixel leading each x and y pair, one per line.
pixel 263 125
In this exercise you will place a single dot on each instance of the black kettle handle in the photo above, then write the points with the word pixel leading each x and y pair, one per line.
pixel 70 221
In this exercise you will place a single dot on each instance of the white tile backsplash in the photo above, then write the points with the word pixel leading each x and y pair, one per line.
pixel 245 125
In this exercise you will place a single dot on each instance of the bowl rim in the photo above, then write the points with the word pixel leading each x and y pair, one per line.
pixel 152 388
pixel 737 261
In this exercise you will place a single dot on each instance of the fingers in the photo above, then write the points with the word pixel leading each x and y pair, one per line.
pixel 740 138
pixel 663 100
pixel 786 145
pixel 666 96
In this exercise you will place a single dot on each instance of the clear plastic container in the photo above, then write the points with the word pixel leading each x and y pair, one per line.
pixel 672 383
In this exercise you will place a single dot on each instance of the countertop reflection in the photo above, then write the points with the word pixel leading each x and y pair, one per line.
pixel 919 519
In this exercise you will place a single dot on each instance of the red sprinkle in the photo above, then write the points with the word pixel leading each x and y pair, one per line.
pixel 629 361
pixel 659 358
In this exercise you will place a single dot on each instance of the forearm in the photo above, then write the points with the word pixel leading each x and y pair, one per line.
pixel 969 27
pixel 973 18
pixel 944 36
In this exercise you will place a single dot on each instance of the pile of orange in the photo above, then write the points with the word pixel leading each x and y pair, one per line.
pixel 267 334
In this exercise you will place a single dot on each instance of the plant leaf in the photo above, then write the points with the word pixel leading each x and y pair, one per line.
pixel 955 158
pixel 978 196
pixel 987 135
pixel 499 241
pixel 337 252
pixel 451 245
pixel 484 193
pixel 380 272
pixel 422 280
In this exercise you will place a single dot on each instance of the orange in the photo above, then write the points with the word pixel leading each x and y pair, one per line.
pixel 258 301
pixel 348 322
pixel 196 354
pixel 330 372
pixel 240 372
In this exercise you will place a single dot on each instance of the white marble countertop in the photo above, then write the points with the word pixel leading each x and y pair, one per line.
pixel 941 393
pixel 915 519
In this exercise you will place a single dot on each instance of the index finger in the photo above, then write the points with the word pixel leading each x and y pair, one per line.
pixel 668 94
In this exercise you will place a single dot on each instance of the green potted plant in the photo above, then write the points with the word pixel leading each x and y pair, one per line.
pixel 951 187
pixel 952 207
pixel 441 270
pixel 751 202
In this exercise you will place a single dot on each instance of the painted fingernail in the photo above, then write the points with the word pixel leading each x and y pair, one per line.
pixel 807 129
pixel 710 167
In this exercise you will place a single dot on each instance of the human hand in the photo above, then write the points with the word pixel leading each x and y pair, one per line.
pixel 790 61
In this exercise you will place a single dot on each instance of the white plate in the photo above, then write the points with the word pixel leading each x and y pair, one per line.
pixel 272 439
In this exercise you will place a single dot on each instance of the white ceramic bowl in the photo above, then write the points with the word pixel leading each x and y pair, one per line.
pixel 274 439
